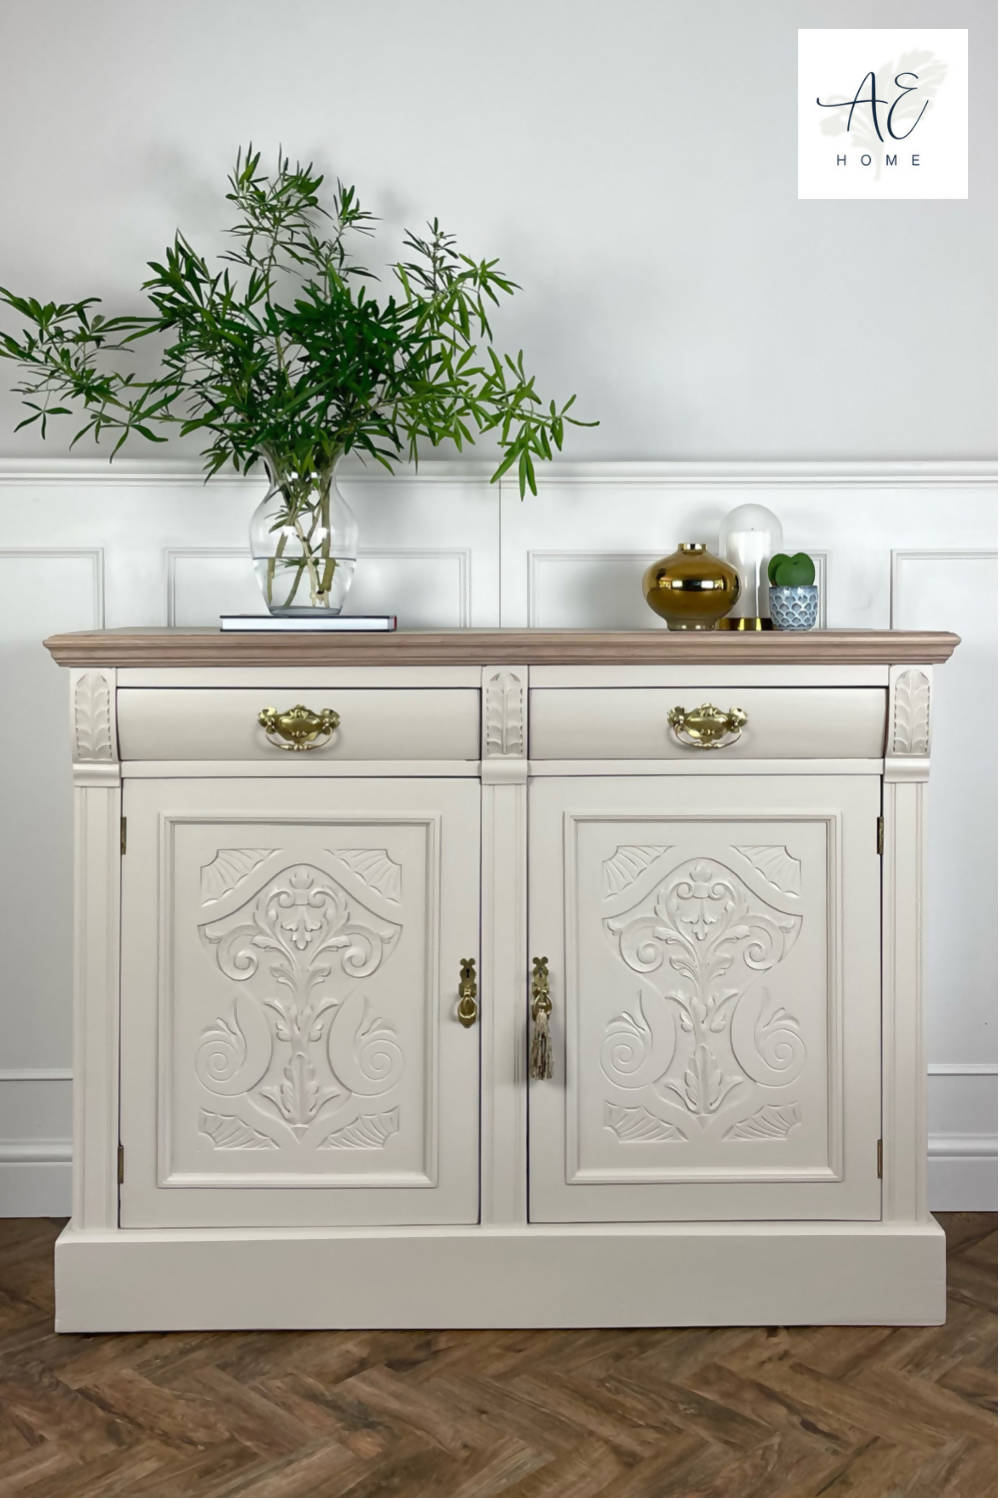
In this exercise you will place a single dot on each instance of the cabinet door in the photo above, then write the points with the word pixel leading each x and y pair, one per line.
pixel 713 944
pixel 291 1053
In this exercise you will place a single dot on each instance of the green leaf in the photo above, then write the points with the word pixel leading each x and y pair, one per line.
pixel 791 572
pixel 325 369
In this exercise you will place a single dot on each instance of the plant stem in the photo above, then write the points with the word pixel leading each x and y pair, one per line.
pixel 308 561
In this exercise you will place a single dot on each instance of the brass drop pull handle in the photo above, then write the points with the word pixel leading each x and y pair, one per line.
pixel 298 728
pixel 468 1009
pixel 707 727
pixel 540 1052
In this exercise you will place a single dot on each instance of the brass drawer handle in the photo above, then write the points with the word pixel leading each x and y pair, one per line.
pixel 298 728
pixel 540 1054
pixel 468 1010
pixel 707 727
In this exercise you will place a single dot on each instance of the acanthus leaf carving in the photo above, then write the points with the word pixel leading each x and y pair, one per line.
pixel 294 1044
pixel 781 870
pixel 713 936
pixel 504 715
pixel 364 1133
pixel 911 713
pixel 303 917
pixel 627 864
pixel 375 869
pixel 230 1133
pixel 772 1122
pixel 234 1055
pixel 633 1055
pixel 224 873
pixel 637 1124
pixel 771 1050
pixel 93 738
pixel 363 1050
pixel 706 1087
pixel 297 1095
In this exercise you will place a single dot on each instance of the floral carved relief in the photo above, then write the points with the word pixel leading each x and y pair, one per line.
pixel 300 1043
pixel 704 1035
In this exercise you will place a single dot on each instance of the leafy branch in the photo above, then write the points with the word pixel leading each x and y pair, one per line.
pixel 284 353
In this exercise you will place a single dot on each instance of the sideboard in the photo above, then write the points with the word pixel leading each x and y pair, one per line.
pixel 498 979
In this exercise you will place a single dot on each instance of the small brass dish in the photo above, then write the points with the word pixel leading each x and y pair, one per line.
pixel 746 622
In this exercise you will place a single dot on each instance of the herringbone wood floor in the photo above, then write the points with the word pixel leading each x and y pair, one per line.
pixel 769 1411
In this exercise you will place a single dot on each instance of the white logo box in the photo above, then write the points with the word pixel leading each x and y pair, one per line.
pixel 921 79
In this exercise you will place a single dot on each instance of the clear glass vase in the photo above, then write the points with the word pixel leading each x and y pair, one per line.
pixel 304 541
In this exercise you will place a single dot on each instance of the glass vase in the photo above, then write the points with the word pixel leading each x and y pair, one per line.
pixel 304 541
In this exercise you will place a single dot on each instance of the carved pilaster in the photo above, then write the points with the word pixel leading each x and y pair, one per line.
pixel 504 773
pixel 505 729
pixel 93 727
pixel 907 768
pixel 908 740
pixel 97 885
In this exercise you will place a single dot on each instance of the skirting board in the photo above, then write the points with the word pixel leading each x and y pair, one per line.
pixel 639 1276
pixel 959 1180
pixel 35 1189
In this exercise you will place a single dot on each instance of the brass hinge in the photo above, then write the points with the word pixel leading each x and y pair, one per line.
pixel 124 833
pixel 879 835
pixel 121 1163
pixel 878 1158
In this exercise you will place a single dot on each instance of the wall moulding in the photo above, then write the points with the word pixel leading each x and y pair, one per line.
pixel 901 474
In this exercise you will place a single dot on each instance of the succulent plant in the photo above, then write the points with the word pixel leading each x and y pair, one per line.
pixel 791 572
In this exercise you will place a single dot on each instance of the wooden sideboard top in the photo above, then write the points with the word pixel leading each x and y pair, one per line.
pixel 210 647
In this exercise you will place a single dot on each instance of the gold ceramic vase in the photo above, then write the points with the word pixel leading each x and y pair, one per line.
pixel 691 589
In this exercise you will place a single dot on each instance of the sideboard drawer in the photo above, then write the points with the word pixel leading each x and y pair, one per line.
pixel 400 724
pixel 634 723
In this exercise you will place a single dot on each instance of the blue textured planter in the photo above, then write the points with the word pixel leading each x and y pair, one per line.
pixel 794 608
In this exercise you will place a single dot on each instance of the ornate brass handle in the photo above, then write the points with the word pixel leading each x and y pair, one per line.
pixel 468 1010
pixel 298 728
pixel 707 727
pixel 540 1052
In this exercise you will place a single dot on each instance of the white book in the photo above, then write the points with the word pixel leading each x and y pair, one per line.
pixel 307 622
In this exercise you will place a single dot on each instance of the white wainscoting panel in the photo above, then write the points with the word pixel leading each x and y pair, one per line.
pixel 581 590
pixel 575 554
pixel 38 585
pixel 432 584
pixel 928 587
pixel 86 544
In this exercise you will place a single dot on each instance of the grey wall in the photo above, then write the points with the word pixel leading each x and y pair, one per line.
pixel 632 161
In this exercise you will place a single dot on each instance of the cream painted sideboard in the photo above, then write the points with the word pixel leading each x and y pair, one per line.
pixel 305 972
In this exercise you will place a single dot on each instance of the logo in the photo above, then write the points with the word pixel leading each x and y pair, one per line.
pixel 883 114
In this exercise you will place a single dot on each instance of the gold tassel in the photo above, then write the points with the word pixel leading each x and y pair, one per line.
pixel 540 1059
pixel 540 1051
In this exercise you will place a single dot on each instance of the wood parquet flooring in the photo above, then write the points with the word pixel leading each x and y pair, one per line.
pixel 659 1412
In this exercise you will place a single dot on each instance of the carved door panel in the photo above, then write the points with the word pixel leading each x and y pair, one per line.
pixel 714 950
pixel 290 1045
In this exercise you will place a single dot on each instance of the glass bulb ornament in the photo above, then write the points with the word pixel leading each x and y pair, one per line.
pixel 750 536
